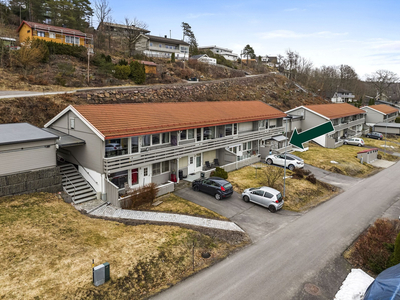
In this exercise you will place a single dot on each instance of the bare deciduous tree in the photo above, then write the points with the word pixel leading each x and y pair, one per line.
pixel 30 54
pixel 102 10
pixel 134 28
pixel 382 80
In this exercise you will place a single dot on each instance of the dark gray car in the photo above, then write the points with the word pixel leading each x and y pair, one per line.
pixel 215 186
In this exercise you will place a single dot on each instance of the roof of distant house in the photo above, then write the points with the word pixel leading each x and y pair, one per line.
pixel 124 26
pixel 333 110
pixel 383 108
pixel 52 28
pixel 130 119
pixel 165 40
pixel 198 56
pixel 14 133
pixel 214 46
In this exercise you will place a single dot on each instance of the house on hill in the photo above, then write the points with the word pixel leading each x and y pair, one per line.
pixel 348 121
pixel 341 96
pixel 225 52
pixel 133 144
pixel 163 47
pixel 54 34
pixel 205 59
pixel 120 29
pixel 380 113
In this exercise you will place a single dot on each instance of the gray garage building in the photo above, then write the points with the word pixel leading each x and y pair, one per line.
pixel 390 128
pixel 28 160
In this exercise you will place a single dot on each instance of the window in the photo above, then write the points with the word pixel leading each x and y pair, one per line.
pixel 72 123
pixel 235 128
pixel 266 124
pixel 165 166
pixel 145 172
pixel 116 147
pixel 76 41
pixel 258 193
pixel 156 169
pixel 119 178
pixel 261 124
pixel 146 140
pixel 190 134
pixel 151 44
pixel 165 138
pixel 68 40
pixel 208 133
pixel 160 45
pixel 135 144
pixel 183 135
pixel 268 195
pixel 40 33
pixel 155 139
pixel 52 35
pixel 228 129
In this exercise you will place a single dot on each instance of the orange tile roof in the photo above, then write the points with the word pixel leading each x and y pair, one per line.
pixel 335 110
pixel 129 119
pixel 383 108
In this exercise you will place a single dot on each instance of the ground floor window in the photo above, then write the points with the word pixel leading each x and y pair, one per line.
pixel 119 178
pixel 165 166
pixel 156 169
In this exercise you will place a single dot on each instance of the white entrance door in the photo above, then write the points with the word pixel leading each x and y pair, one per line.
pixel 191 165
pixel 198 164
pixel 145 176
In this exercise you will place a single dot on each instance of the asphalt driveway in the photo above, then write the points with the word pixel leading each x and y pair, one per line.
pixel 256 220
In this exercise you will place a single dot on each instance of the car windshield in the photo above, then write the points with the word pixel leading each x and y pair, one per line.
pixel 227 185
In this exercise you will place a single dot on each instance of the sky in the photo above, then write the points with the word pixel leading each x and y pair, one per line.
pixel 362 34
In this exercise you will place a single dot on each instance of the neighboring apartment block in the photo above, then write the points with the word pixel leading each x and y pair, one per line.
pixel 55 34
pixel 348 121
pixel 130 145
pixel 163 47
pixel 380 113
pixel 225 52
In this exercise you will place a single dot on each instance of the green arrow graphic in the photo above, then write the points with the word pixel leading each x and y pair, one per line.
pixel 298 139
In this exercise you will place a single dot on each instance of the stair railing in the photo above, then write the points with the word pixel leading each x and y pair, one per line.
pixel 70 182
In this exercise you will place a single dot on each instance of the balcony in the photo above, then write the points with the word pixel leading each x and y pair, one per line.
pixel 349 124
pixel 126 162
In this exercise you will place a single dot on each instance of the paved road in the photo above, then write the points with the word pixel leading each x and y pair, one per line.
pixel 22 94
pixel 278 265
pixel 256 220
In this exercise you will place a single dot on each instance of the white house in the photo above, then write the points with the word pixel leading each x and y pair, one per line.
pixel 163 47
pixel 205 59
pixel 341 96
pixel 225 52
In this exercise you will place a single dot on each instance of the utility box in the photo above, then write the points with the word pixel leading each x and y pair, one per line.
pixel 98 275
pixel 101 274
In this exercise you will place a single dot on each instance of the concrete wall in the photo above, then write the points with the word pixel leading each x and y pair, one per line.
pixel 44 180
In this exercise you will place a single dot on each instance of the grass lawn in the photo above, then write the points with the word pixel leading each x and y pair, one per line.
pixel 174 204
pixel 300 194
pixel 47 248
pixel 390 145
pixel 345 156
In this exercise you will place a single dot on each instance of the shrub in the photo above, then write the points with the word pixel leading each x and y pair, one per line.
pixel 219 172
pixel 122 72
pixel 64 49
pixel 374 248
pixel 379 156
pixel 122 62
pixel 173 57
pixel 273 176
pixel 396 253
pixel 142 195
pixel 138 73
pixel 311 178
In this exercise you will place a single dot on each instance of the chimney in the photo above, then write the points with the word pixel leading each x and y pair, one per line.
pixel 165 36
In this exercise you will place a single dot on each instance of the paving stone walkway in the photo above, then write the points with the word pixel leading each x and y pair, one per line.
pixel 118 213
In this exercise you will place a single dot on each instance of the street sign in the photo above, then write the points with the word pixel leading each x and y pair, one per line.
pixel 298 139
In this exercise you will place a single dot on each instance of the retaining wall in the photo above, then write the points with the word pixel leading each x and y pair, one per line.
pixel 43 180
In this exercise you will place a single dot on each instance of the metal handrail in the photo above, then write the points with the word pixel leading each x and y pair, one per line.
pixel 70 153
pixel 68 180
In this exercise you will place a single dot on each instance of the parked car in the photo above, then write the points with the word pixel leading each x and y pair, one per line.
pixel 113 147
pixel 215 186
pixel 354 141
pixel 374 135
pixel 264 196
pixel 292 161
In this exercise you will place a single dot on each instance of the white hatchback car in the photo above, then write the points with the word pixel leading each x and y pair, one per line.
pixel 292 161
pixel 264 196
pixel 354 141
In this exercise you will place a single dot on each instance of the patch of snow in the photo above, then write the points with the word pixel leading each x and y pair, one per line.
pixel 354 286
pixel 334 162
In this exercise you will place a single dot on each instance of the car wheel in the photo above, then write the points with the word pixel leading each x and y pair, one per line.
pixel 379 138
pixel 269 161
pixel 291 167
pixel 272 208
pixel 359 145
pixel 195 188
pixel 344 143
pixel 217 196
pixel 246 199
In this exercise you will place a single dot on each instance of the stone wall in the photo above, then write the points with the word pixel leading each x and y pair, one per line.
pixel 240 88
pixel 44 180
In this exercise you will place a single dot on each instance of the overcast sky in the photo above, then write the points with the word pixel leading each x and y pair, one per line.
pixel 363 34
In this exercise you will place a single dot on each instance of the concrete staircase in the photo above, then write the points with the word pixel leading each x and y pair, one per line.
pixel 75 185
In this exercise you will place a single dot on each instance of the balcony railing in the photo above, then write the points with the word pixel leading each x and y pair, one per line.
pixel 349 124
pixel 126 162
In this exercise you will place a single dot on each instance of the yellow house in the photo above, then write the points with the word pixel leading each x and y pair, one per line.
pixel 55 34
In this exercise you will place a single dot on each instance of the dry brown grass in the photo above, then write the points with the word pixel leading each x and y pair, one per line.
pixel 346 156
pixel 391 145
pixel 47 248
pixel 300 194
pixel 174 204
